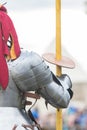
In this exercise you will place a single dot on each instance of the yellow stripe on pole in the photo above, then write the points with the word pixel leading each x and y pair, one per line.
pixel 58 57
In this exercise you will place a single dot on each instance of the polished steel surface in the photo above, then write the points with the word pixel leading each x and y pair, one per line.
pixel 30 73
pixel 10 116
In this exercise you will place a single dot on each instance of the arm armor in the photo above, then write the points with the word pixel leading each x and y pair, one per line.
pixel 30 73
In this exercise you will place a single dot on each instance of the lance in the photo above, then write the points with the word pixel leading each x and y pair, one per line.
pixel 63 61
pixel 58 60
pixel 58 57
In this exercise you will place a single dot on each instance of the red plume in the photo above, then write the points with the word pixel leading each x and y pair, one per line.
pixel 7 29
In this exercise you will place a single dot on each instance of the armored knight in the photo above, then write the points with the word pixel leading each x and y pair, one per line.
pixel 22 71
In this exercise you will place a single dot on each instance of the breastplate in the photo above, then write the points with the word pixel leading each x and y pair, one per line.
pixel 13 116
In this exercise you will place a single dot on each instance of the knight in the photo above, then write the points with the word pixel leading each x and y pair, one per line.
pixel 22 71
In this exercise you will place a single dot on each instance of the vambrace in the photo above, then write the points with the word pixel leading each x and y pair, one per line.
pixel 30 73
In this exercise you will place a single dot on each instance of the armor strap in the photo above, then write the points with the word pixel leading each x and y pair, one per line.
pixel 30 95
pixel 36 96
pixel 32 126
pixel 28 126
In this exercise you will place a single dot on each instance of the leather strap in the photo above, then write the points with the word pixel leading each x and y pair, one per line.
pixel 32 95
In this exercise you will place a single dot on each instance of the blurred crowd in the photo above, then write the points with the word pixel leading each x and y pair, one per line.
pixel 74 118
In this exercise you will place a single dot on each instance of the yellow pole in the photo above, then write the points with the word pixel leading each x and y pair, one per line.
pixel 58 57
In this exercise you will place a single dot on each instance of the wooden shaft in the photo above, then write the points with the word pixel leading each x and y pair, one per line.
pixel 58 56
